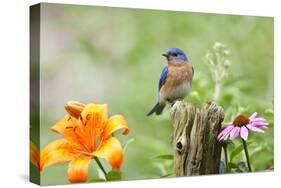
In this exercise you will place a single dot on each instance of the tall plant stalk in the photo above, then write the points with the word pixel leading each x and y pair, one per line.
pixel 218 63
pixel 247 155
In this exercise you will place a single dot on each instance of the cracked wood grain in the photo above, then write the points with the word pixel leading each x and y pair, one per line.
pixel 196 149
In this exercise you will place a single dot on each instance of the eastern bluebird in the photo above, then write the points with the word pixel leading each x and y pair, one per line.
pixel 175 80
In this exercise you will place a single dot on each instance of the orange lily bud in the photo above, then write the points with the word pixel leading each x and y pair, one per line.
pixel 74 108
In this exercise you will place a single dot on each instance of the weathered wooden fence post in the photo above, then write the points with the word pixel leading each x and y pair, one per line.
pixel 196 149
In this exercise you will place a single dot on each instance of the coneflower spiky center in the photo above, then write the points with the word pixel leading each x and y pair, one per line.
pixel 241 120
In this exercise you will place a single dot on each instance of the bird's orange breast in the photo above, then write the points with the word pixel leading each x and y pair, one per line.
pixel 178 73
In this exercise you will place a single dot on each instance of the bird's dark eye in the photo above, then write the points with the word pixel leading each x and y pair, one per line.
pixel 175 54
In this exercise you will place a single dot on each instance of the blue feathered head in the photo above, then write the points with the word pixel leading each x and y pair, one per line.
pixel 175 55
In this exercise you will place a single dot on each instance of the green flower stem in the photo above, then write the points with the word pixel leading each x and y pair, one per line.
pixel 225 157
pixel 101 167
pixel 247 155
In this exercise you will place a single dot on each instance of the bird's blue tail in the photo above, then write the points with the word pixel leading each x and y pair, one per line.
pixel 158 109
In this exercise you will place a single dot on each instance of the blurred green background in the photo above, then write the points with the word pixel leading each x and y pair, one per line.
pixel 113 56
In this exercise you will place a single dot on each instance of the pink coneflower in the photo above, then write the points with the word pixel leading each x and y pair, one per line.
pixel 241 126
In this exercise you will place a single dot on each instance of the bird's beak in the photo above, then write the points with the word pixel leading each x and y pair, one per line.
pixel 165 54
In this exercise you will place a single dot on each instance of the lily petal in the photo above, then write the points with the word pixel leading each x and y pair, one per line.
pixel 112 151
pixel 95 113
pixel 65 127
pixel 58 151
pixel 115 123
pixel 34 155
pixel 94 118
pixel 78 169
pixel 73 130
pixel 244 133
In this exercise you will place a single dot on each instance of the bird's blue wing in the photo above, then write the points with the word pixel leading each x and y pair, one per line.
pixel 163 77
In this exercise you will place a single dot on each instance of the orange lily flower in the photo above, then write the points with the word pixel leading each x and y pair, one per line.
pixel 87 132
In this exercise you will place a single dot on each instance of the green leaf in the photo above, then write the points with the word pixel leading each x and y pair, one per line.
pixel 97 180
pixel 164 157
pixel 128 143
pixel 114 175
pixel 238 150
